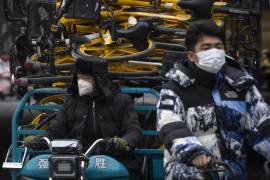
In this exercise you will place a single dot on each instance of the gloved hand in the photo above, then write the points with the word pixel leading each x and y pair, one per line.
pixel 120 144
pixel 35 142
pixel 117 143
pixel 29 139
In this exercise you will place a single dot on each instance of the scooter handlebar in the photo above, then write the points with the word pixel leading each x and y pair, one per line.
pixel 107 141
pixel 215 166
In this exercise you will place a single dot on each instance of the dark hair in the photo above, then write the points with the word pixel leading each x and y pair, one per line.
pixel 202 28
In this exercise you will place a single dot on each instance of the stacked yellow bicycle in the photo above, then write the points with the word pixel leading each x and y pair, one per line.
pixel 132 35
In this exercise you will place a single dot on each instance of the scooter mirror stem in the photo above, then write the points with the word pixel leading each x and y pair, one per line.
pixel 92 146
pixel 48 142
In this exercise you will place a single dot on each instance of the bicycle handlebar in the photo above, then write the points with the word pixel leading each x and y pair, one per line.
pixel 140 26
pixel 37 66
pixel 145 25
pixel 25 81
pixel 237 11
pixel 170 31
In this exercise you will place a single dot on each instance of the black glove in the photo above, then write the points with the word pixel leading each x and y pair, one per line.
pixel 35 142
pixel 121 144
pixel 117 143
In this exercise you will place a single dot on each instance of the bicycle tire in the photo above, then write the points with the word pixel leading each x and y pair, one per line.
pixel 76 53
pixel 170 46
pixel 56 98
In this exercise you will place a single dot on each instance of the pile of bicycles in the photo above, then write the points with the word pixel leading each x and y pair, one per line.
pixel 132 36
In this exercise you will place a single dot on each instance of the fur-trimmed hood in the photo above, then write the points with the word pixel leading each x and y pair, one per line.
pixel 97 68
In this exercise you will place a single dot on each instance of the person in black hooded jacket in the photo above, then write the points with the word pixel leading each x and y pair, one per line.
pixel 95 108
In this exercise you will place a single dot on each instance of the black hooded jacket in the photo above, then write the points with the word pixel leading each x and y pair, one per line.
pixel 89 118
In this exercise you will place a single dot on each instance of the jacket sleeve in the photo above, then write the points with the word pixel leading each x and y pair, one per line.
pixel 57 128
pixel 130 126
pixel 175 135
pixel 257 124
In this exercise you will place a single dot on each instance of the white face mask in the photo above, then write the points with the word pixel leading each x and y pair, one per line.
pixel 85 87
pixel 211 60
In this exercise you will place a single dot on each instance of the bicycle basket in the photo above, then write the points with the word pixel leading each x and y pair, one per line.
pixel 40 16
pixel 86 9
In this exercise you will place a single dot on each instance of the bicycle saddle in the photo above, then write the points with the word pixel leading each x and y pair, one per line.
pixel 201 9
pixel 137 35
pixel 78 39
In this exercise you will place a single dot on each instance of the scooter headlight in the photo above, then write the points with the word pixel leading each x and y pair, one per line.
pixel 64 166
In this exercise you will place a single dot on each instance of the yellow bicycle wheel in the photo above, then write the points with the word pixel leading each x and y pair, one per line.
pixel 116 52
pixel 49 100
pixel 64 60
pixel 53 99
pixel 37 120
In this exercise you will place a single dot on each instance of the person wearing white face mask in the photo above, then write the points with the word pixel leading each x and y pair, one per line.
pixel 209 107
pixel 85 84
pixel 95 108
pixel 211 60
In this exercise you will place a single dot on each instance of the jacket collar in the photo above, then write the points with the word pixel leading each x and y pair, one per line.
pixel 233 73
pixel 186 74
pixel 202 77
pixel 181 75
pixel 236 75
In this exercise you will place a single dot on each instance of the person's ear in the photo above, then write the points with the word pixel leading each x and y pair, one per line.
pixel 192 57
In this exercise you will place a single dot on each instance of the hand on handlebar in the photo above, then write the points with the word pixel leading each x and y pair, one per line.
pixel 35 143
pixel 201 161
pixel 120 144
pixel 117 143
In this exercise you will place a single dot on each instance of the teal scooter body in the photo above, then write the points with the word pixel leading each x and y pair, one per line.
pixel 36 168
pixel 100 167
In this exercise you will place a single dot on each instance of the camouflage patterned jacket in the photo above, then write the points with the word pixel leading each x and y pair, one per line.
pixel 199 112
